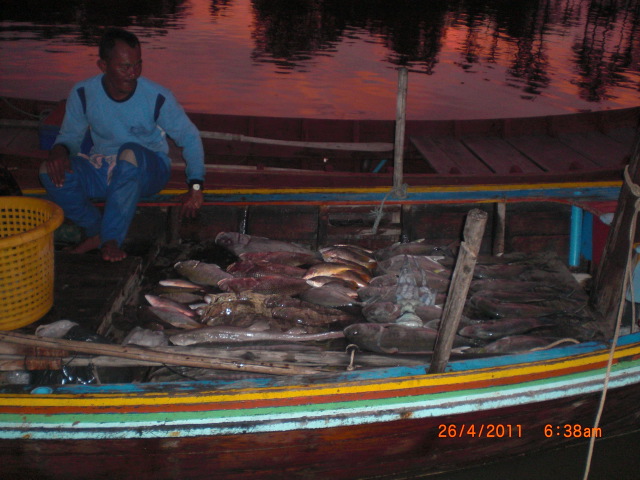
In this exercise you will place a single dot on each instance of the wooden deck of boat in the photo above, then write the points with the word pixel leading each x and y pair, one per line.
pixel 591 146
pixel 530 146
pixel 89 290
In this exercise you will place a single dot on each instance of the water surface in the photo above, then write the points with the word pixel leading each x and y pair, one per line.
pixel 339 58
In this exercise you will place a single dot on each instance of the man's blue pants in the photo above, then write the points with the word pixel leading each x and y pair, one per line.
pixel 128 184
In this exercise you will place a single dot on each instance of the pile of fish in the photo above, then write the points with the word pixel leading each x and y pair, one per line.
pixel 274 291
pixel 387 301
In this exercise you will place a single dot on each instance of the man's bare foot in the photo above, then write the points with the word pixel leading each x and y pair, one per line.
pixel 86 245
pixel 111 252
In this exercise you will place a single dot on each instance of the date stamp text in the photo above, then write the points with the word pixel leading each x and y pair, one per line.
pixel 489 430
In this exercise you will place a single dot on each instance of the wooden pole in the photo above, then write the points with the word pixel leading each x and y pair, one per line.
pixel 149 354
pixel 607 293
pixel 500 229
pixel 348 146
pixel 236 137
pixel 401 111
pixel 457 295
pixel 22 357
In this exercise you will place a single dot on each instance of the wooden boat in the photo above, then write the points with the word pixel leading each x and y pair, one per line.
pixel 370 424
pixel 396 421
pixel 264 152
pixel 572 159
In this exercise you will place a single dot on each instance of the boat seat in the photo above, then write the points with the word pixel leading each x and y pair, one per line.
pixel 474 155
pixel 449 156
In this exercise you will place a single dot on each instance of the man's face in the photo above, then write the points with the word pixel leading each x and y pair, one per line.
pixel 121 70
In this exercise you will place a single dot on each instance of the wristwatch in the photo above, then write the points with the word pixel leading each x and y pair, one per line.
pixel 195 185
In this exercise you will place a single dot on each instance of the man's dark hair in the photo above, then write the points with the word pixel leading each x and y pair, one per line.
pixel 111 36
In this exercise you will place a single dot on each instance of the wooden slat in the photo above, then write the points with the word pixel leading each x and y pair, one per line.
pixel 624 135
pixel 500 156
pixel 601 149
pixel 87 289
pixel 448 156
pixel 551 154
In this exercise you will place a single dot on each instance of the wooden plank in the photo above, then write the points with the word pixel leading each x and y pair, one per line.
pixel 460 281
pixel 500 156
pixel 149 354
pixel 86 287
pixel 624 135
pixel 609 284
pixel 601 149
pixel 551 154
pixel 448 156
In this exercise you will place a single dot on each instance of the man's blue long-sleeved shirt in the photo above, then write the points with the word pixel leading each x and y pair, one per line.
pixel 144 118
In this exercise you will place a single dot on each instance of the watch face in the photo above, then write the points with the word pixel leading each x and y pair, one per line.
pixel 196 186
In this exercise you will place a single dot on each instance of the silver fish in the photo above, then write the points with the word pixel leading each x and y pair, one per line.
pixel 516 344
pixel 391 338
pixel 345 253
pixel 239 243
pixel 174 318
pixel 56 329
pixel 334 269
pixel 395 264
pixel 145 338
pixel 180 283
pixel 201 273
pixel 322 280
pixel 329 297
pixel 223 334
pixel 168 304
pixel 494 329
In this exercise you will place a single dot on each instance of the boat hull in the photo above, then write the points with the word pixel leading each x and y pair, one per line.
pixel 377 450
pixel 372 424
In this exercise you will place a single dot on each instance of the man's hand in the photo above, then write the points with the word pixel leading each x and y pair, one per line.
pixel 58 164
pixel 191 203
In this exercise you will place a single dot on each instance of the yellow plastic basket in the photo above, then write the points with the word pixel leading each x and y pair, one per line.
pixel 26 259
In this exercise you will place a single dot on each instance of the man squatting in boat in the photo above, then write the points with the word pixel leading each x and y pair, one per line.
pixel 112 146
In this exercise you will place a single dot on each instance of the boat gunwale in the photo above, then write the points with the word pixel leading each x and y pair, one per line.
pixel 513 369
pixel 124 423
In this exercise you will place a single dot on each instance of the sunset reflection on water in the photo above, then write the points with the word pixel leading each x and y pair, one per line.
pixel 339 59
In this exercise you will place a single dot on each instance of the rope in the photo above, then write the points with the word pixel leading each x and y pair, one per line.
pixel 352 349
pixel 399 192
pixel 39 117
pixel 635 190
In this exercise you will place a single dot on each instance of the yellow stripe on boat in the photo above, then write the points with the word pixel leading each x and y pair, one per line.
pixel 583 363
